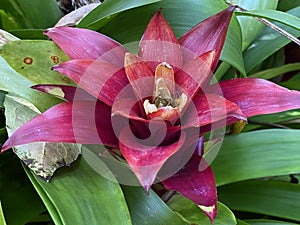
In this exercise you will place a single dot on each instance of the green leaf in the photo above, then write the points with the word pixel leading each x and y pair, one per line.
pixel 293 83
pixel 144 209
pixel 2 219
pixel 251 27
pixel 31 63
pixel 29 34
pixel 276 118
pixel 287 5
pixel 18 14
pixel 42 158
pixel 79 195
pixel 267 43
pixel 274 72
pixel 128 27
pixel 241 222
pixel 272 198
pixel 149 209
pixel 268 222
pixel 8 22
pixel 275 60
pixel 13 82
pixel 16 192
pixel 257 154
pixel 274 15
pixel 94 20
pixel 51 209
pixel 194 215
pixel 34 59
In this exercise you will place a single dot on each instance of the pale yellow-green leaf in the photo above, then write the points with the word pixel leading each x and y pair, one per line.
pixel 2 219
pixel 33 59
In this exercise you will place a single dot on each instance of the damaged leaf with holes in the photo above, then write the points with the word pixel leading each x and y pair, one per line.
pixel 43 158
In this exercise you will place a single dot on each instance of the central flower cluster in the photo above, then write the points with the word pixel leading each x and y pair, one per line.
pixel 165 102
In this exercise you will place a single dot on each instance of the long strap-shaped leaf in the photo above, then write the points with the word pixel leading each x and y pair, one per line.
pixel 257 154
pixel 149 209
pixel 275 198
pixel 79 195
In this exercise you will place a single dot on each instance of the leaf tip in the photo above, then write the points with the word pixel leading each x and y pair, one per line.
pixel 5 146
pixel 130 58
pixel 210 211
pixel 232 7
pixel 48 31
pixel 147 188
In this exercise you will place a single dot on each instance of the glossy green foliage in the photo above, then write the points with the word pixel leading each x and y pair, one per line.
pixel 193 215
pixel 274 72
pixel 274 15
pixel 110 9
pixel 241 222
pixel 268 222
pixel 150 206
pixel 33 14
pixel 257 154
pixel 79 195
pixel 287 5
pixel 293 83
pixel 140 204
pixel 267 43
pixel 274 198
pixel 276 120
pixel 249 26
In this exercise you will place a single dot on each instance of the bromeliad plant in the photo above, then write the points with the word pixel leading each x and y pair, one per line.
pixel 154 107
